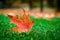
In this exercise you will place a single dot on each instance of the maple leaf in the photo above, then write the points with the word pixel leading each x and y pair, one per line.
pixel 23 24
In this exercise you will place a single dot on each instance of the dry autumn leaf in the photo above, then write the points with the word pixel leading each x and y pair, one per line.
pixel 23 24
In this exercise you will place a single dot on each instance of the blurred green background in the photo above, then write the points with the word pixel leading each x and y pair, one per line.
pixel 31 3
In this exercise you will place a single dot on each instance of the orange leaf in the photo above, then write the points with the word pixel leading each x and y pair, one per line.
pixel 23 24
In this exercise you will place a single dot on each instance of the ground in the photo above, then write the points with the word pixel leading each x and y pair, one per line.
pixel 34 12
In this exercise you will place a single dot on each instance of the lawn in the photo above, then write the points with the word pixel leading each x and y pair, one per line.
pixel 41 30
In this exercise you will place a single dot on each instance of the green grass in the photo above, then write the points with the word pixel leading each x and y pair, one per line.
pixel 42 30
